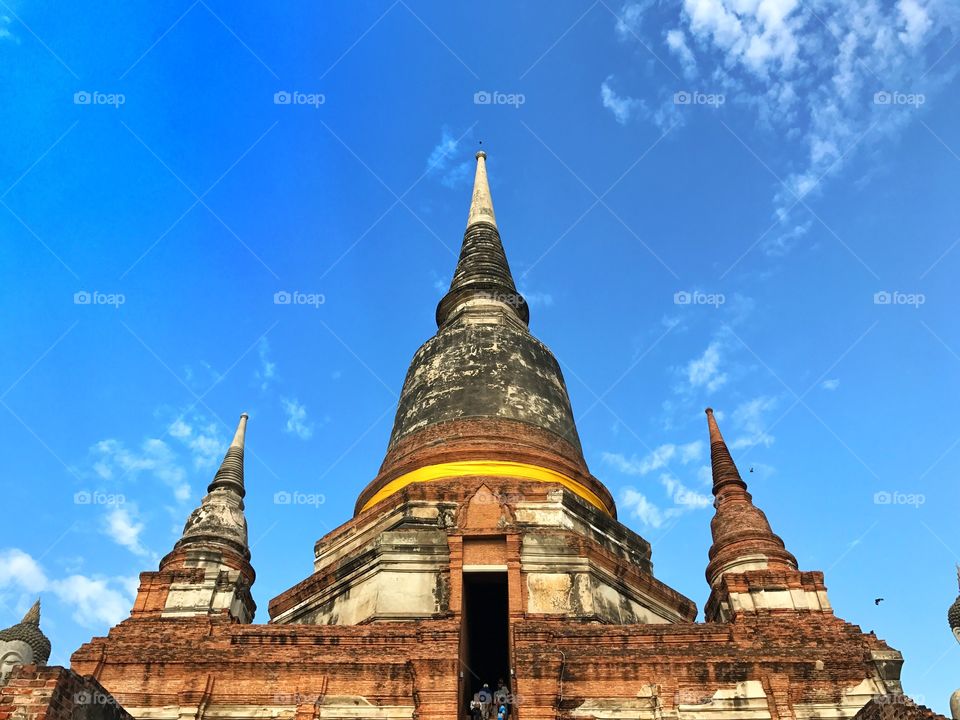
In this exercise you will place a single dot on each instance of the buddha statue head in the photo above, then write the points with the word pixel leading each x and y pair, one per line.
pixel 23 643
pixel 953 614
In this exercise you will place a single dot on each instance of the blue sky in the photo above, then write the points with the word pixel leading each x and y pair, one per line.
pixel 749 204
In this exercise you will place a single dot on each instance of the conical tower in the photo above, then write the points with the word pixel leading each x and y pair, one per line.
pixel 483 395
pixel 483 475
pixel 208 571
pixel 750 569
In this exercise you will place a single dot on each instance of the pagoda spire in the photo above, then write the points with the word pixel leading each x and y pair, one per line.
pixel 742 538
pixel 220 519
pixel 482 289
pixel 483 395
pixel 208 571
pixel 481 205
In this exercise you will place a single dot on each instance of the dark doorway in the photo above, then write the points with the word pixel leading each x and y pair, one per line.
pixel 485 653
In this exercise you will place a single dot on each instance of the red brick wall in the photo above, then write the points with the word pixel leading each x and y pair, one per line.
pixel 55 693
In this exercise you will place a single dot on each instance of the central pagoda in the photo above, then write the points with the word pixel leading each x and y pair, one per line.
pixel 484 508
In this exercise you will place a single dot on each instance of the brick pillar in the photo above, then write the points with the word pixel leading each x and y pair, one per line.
pixel 456 574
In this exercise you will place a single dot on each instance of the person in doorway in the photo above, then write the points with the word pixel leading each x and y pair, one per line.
pixel 502 695
pixel 475 707
pixel 486 702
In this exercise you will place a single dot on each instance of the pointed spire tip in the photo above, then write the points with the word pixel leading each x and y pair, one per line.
pixel 481 204
pixel 241 431
pixel 33 614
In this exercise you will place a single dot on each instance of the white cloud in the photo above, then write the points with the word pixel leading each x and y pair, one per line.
pixel 657 458
pixel 809 72
pixel 830 384
pixel 441 163
pixel 154 457
pixel 704 371
pixel 683 496
pixel 179 429
pixel 5 33
pixel 94 601
pixel 19 570
pixel 203 440
pixel 640 507
pixel 631 18
pixel 621 107
pixel 652 515
pixel 677 42
pixel 750 419
pixel 123 529
pixel 268 368
pixel 916 21
pixel 297 419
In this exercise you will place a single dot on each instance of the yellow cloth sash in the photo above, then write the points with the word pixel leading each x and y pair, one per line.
pixel 494 468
